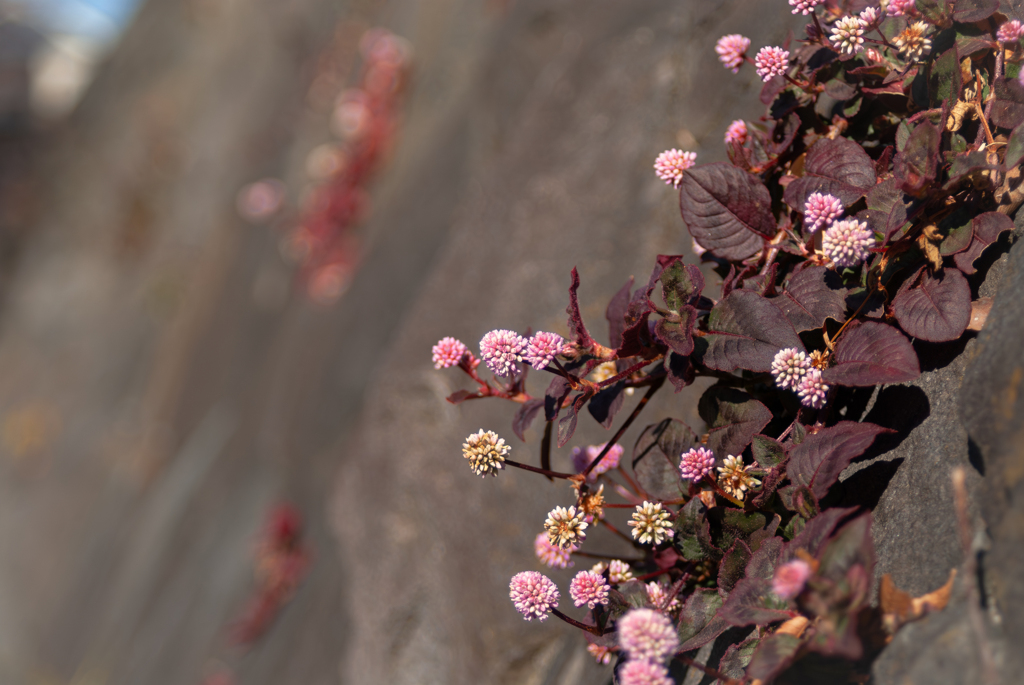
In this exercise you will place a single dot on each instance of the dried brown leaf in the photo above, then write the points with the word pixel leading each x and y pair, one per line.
pixel 928 242
pixel 979 313
pixel 899 608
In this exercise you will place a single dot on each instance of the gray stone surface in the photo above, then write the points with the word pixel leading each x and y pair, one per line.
pixel 968 409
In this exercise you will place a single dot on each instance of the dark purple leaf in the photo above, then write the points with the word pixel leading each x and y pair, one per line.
pixel 966 164
pixel 727 210
pixel 763 561
pixel 1015 148
pixel 816 532
pixel 607 403
pixel 882 163
pixel 460 396
pixel 556 393
pixel 945 80
pixel 969 11
pixel 800 499
pixel 691 526
pixel 822 456
pixel 728 525
pixel 752 602
pixel 987 228
pixel 699 622
pixel 635 336
pixel 733 419
pixel 656 457
pixel 774 655
pixel 746 331
pixel 768 453
pixel 937 308
pixel 958 228
pixel 737 656
pixel 1008 109
pixel 916 165
pixel 810 297
pixel 839 167
pixel 681 284
pixel 872 353
pixel 567 424
pixel 524 417
pixel 851 545
pixel 732 567
pixel 678 335
pixel 616 314
pixel 577 330
pixel 679 371
pixel 887 207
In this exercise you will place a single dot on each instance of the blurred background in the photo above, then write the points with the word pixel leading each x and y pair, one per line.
pixel 230 232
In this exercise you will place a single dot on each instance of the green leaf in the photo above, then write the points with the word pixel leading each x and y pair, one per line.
pixel 688 525
pixel 957 229
pixel 902 135
pixel 731 568
pixel 680 284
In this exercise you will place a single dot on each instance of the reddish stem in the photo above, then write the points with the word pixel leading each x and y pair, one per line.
pixel 543 472
pixel 594 630
pixel 632 417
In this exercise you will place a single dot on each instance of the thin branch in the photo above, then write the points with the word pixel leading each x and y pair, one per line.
pixel 611 443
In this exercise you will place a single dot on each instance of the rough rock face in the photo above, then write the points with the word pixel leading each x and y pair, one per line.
pixel 964 413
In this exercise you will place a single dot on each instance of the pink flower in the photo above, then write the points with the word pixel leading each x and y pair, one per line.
pixel 1010 31
pixel 736 133
pixel 771 61
pixel 900 8
pixel 534 595
pixel 812 390
pixel 848 242
pixel 602 654
pixel 448 352
pixel 643 673
pixel 647 634
pixel 581 459
pixel 501 349
pixel 790 578
pixel 731 50
pixel 789 367
pixel 821 210
pixel 804 7
pixel 550 555
pixel 696 463
pixel 869 16
pixel 847 35
pixel 671 164
pixel 589 588
pixel 658 596
pixel 543 347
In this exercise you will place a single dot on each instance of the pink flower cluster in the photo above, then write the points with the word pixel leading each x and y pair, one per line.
pixel 647 635
pixel 901 8
pixel 813 391
pixel 771 62
pixel 790 578
pixel 550 555
pixel 804 7
pixel 533 594
pixel 696 463
pixel 789 367
pixel 581 458
pixel 589 588
pixel 848 242
pixel 501 349
pixel 736 133
pixel 821 210
pixel 448 352
pixel 1010 31
pixel 671 164
pixel 643 673
pixel 731 50
pixel 793 370
pixel 542 348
